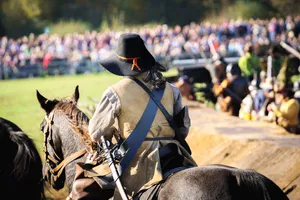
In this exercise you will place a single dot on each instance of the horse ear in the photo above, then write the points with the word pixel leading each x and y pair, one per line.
pixel 75 96
pixel 46 104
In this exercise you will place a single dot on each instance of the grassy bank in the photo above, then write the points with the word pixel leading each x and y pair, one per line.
pixel 19 104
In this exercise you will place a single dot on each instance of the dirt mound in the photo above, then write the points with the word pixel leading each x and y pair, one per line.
pixel 216 137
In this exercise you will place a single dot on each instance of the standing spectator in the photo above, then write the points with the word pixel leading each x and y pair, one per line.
pixel 1 71
pixel 249 63
pixel 46 60
pixel 288 69
pixel 278 56
pixel 220 68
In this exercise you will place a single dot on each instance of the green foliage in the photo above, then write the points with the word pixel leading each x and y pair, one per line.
pixel 20 17
pixel 286 7
pixel 31 8
pixel 116 23
pixel 246 10
pixel 65 27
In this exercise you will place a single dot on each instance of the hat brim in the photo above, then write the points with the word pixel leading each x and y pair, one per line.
pixel 121 67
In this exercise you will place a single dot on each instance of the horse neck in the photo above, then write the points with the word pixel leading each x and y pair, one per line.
pixel 65 138
pixel 66 142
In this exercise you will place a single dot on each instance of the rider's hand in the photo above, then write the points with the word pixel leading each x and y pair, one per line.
pixel 92 157
pixel 110 133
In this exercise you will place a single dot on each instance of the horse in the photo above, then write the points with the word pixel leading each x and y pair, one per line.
pixel 21 164
pixel 62 148
pixel 207 182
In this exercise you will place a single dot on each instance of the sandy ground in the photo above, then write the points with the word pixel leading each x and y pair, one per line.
pixel 216 138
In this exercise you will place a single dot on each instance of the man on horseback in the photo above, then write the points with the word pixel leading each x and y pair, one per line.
pixel 162 151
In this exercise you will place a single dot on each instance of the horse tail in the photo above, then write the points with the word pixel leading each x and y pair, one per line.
pixel 255 183
pixel 27 162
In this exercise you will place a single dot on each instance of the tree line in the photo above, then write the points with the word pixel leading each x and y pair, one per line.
pixel 21 17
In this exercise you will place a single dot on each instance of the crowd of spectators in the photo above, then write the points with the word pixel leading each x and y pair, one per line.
pixel 228 38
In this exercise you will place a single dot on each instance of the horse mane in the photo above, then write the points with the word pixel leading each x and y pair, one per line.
pixel 77 119
pixel 76 116
pixel 27 167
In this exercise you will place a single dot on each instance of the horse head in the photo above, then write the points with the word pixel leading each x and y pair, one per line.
pixel 64 128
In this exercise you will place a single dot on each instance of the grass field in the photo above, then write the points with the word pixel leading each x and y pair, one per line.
pixel 19 104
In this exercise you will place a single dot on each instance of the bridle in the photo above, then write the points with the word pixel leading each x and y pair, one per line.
pixel 55 164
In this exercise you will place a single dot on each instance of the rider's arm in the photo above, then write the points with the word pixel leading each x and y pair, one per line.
pixel 104 117
pixel 177 108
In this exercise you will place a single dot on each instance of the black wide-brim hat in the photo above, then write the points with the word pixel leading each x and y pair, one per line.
pixel 131 57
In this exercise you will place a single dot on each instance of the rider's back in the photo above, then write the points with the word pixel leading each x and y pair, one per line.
pixel 145 168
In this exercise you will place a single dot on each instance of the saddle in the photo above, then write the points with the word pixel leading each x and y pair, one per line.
pixel 93 181
pixel 171 163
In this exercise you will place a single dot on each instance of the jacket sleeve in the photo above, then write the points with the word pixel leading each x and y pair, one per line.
pixel 290 111
pixel 178 106
pixel 104 116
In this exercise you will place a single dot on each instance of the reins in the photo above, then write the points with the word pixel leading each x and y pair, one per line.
pixel 60 164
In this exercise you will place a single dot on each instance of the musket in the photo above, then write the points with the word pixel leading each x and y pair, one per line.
pixel 290 49
pixel 113 169
pixel 269 67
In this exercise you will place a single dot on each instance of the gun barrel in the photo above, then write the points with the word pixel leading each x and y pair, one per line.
pixel 113 169
pixel 290 49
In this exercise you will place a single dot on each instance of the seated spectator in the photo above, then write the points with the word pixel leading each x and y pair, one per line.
pixel 254 104
pixel 247 110
pixel 286 114
pixel 264 95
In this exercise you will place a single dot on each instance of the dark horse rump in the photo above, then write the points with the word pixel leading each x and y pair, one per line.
pixel 21 165
pixel 209 182
pixel 212 182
